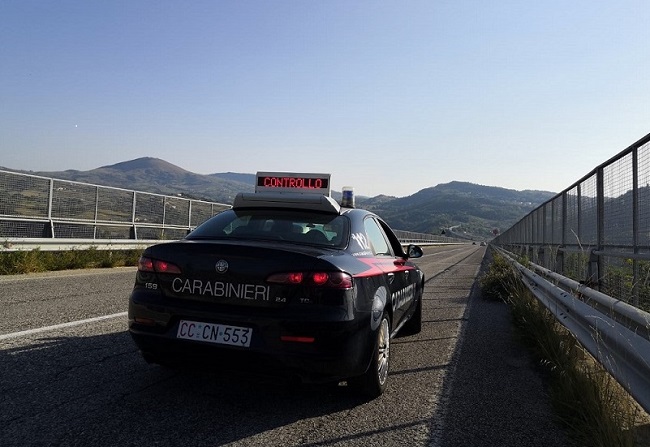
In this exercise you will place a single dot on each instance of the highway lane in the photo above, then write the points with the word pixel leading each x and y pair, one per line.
pixel 87 385
pixel 45 299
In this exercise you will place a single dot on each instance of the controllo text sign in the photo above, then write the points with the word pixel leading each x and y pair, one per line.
pixel 293 182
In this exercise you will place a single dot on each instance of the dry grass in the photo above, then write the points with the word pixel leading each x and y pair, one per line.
pixel 12 263
pixel 596 410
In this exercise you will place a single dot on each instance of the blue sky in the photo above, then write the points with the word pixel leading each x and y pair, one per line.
pixel 389 97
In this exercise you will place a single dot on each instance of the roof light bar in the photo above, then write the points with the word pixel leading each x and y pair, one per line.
pixel 304 183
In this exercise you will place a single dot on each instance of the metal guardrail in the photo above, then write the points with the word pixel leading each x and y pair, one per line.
pixel 64 244
pixel 615 333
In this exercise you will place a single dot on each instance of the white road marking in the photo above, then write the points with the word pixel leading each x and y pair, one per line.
pixel 59 326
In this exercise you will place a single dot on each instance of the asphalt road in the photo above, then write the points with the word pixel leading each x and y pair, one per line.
pixel 71 376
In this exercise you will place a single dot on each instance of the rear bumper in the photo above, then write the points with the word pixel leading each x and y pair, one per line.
pixel 342 344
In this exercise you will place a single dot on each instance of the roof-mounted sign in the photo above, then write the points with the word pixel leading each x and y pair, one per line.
pixel 293 182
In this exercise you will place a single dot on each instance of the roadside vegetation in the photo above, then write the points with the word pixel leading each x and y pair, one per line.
pixel 12 263
pixel 589 402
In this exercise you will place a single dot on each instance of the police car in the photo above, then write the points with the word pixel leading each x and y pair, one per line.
pixel 288 280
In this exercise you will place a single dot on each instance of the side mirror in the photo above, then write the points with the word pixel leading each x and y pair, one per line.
pixel 414 251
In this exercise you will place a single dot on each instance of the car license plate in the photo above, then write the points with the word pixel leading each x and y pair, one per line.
pixel 215 333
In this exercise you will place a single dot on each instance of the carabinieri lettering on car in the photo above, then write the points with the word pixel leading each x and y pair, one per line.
pixel 221 289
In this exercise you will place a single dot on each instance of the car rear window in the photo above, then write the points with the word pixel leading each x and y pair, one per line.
pixel 296 227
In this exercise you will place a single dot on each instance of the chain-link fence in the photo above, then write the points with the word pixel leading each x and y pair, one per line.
pixel 411 237
pixel 40 207
pixel 597 231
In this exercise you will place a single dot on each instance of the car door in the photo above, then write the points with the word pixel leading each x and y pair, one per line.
pixel 393 265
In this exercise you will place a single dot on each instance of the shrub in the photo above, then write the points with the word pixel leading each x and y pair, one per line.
pixel 498 279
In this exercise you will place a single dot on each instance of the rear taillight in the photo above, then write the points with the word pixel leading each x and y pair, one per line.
pixel 295 278
pixel 157 266
pixel 336 280
pixel 320 278
pixel 145 264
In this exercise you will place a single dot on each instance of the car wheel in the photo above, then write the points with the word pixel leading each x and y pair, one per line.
pixel 414 325
pixel 373 382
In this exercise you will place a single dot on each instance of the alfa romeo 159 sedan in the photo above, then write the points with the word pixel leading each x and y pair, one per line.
pixel 287 281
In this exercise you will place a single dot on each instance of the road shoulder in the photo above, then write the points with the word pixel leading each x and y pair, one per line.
pixel 498 395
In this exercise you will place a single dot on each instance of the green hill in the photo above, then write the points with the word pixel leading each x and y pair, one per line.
pixel 473 211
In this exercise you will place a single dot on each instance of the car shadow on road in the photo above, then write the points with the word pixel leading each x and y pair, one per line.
pixel 97 390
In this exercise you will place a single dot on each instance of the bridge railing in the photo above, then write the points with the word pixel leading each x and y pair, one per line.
pixel 52 214
pixel 410 237
pixel 597 231
pixel 588 255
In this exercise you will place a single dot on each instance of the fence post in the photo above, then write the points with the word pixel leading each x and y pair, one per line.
pixel 559 256
pixel 600 230
pixel 189 217
pixel 96 211
pixel 48 230
pixel 635 225
pixel 134 231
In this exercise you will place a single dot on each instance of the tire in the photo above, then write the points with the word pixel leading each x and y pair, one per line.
pixel 373 382
pixel 414 325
